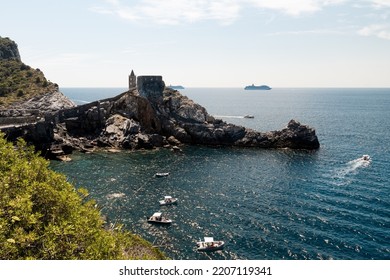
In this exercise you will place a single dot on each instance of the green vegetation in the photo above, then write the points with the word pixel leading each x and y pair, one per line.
pixel 19 82
pixel 42 216
pixel 9 49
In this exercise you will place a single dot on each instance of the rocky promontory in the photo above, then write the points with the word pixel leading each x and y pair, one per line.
pixel 131 120
pixel 147 116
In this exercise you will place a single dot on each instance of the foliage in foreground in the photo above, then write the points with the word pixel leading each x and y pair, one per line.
pixel 42 216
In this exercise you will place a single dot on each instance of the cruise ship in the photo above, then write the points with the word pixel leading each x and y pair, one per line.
pixel 253 87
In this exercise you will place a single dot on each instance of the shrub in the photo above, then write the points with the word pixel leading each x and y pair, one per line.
pixel 42 216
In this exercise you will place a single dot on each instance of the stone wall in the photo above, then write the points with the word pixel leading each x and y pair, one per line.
pixel 17 117
pixel 151 87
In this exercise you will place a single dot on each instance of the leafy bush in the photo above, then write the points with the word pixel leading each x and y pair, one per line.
pixel 42 216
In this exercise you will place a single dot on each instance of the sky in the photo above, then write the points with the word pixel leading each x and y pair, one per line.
pixel 198 43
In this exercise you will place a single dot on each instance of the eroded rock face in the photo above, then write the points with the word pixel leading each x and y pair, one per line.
pixel 133 106
pixel 50 102
pixel 117 131
pixel 132 121
pixel 190 123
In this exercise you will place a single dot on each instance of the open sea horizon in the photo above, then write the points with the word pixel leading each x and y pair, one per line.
pixel 264 203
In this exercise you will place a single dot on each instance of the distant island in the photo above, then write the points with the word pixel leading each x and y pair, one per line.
pixel 253 87
pixel 176 87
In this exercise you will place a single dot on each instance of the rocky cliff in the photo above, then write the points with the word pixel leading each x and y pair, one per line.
pixel 145 117
pixel 9 49
pixel 20 83
pixel 131 121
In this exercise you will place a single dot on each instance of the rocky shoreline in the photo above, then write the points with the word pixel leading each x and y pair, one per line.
pixel 145 117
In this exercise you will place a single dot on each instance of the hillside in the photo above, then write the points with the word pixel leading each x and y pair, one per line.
pixel 18 81
pixel 42 216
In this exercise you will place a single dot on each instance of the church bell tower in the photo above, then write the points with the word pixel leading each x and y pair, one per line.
pixel 132 80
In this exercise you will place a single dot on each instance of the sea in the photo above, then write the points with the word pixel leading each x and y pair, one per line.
pixel 265 204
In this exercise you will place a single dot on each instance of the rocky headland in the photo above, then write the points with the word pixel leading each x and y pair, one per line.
pixel 133 121
pixel 148 115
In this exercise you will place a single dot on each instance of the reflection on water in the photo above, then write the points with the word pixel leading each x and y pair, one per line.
pixel 264 204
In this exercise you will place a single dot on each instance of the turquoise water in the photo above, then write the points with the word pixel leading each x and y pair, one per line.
pixel 265 204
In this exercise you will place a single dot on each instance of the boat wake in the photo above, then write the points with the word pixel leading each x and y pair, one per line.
pixel 353 166
pixel 229 117
pixel 235 117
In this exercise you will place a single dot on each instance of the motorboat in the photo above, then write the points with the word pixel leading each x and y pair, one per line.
pixel 209 245
pixel 366 158
pixel 249 116
pixel 158 218
pixel 168 200
pixel 162 174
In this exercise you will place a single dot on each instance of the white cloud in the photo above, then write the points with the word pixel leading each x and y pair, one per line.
pixel 379 30
pixel 223 11
pixel 309 31
pixel 296 7
pixel 381 3
pixel 174 11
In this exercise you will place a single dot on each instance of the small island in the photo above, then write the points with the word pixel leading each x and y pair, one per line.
pixel 175 87
pixel 253 87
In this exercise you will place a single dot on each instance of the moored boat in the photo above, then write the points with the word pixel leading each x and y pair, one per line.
pixel 161 174
pixel 209 245
pixel 168 200
pixel 158 218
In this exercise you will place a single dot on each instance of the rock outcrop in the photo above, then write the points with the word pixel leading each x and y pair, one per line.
pixel 190 123
pixel 131 121
pixel 46 103
pixel 23 88
pixel 145 117
pixel 9 49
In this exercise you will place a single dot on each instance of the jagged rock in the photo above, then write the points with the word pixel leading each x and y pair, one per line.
pixel 132 121
pixel 148 141
pixel 173 141
pixel 183 108
pixel 9 49
pixel 49 102
pixel 117 130
pixel 135 107
pixel 38 106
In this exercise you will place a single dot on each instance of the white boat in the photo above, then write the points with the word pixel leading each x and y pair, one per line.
pixel 168 200
pixel 366 158
pixel 209 245
pixel 159 219
pixel 162 174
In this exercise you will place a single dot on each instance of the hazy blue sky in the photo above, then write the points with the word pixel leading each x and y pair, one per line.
pixel 196 43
